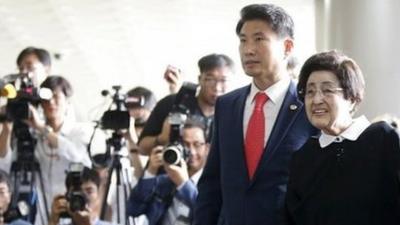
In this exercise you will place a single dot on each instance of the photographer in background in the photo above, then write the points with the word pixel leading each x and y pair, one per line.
pixel 59 141
pixel 36 62
pixel 215 71
pixel 169 198
pixel 89 185
pixel 140 102
pixel 5 200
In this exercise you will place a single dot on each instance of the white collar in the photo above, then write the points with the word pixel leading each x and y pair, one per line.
pixel 196 176
pixel 351 133
pixel 274 92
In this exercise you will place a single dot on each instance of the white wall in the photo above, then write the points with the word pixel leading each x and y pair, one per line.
pixel 130 42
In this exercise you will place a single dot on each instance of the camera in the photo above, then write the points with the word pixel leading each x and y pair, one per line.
pixel 75 196
pixel 20 211
pixel 118 118
pixel 18 107
pixel 175 151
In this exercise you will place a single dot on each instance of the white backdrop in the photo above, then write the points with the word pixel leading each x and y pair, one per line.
pixel 130 42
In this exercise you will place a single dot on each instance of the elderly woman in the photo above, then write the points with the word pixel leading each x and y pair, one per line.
pixel 349 174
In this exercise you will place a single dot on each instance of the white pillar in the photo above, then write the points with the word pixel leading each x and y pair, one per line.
pixel 369 32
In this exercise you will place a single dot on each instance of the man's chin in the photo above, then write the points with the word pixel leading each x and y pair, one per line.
pixel 251 73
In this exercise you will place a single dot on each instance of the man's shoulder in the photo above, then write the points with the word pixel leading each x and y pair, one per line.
pixel 167 100
pixel 235 93
pixel 19 222
pixel 102 222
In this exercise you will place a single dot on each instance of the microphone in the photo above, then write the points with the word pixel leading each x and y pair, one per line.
pixel 7 90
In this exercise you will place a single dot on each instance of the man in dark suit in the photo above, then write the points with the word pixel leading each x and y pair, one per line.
pixel 257 128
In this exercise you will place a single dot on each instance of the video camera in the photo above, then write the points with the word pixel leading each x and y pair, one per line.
pixel 75 196
pixel 18 108
pixel 175 151
pixel 118 118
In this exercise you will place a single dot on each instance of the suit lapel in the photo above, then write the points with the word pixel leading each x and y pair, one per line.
pixel 290 108
pixel 238 112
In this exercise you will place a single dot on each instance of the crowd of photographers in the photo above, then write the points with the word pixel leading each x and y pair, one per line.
pixel 45 153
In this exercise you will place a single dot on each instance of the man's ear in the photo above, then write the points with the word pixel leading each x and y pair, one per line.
pixel 208 147
pixel 288 45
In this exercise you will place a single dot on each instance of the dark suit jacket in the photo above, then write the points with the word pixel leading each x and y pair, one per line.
pixel 225 191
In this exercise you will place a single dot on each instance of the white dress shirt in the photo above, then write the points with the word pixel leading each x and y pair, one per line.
pixel 276 94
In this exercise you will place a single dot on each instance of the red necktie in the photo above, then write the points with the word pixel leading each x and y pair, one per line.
pixel 254 141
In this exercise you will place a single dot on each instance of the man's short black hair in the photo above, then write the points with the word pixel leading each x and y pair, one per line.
pixel 90 175
pixel 279 20
pixel 192 123
pixel 213 61
pixel 87 175
pixel 54 82
pixel 42 54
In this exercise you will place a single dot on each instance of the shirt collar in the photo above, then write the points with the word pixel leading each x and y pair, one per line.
pixel 351 133
pixel 274 92
pixel 196 176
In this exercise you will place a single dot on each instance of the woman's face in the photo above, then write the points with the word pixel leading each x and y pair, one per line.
pixel 326 107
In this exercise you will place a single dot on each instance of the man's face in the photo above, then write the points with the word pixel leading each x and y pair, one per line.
pixel 193 139
pixel 31 65
pixel 262 52
pixel 57 106
pixel 214 83
pixel 91 192
pixel 5 197
pixel 140 114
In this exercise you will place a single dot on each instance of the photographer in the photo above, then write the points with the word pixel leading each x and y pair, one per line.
pixel 59 141
pixel 215 70
pixel 169 198
pixel 140 102
pixel 5 200
pixel 61 212
pixel 36 62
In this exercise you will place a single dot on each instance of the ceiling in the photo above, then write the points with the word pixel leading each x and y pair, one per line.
pixel 129 42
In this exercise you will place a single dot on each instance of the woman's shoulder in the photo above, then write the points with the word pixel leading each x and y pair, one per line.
pixel 378 129
pixel 311 145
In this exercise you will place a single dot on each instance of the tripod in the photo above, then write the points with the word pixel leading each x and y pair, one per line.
pixel 25 172
pixel 122 178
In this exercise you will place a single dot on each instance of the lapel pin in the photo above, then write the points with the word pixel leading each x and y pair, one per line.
pixel 293 107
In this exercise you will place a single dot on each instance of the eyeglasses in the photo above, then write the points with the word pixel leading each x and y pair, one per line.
pixel 208 81
pixel 197 146
pixel 325 91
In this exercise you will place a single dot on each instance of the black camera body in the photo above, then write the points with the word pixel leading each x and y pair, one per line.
pixel 21 211
pixel 117 118
pixel 17 109
pixel 175 150
pixel 76 198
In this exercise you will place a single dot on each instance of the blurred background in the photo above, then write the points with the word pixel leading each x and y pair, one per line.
pixel 96 44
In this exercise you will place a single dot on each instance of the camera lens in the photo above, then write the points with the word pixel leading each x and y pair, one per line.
pixel 77 202
pixel 172 155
